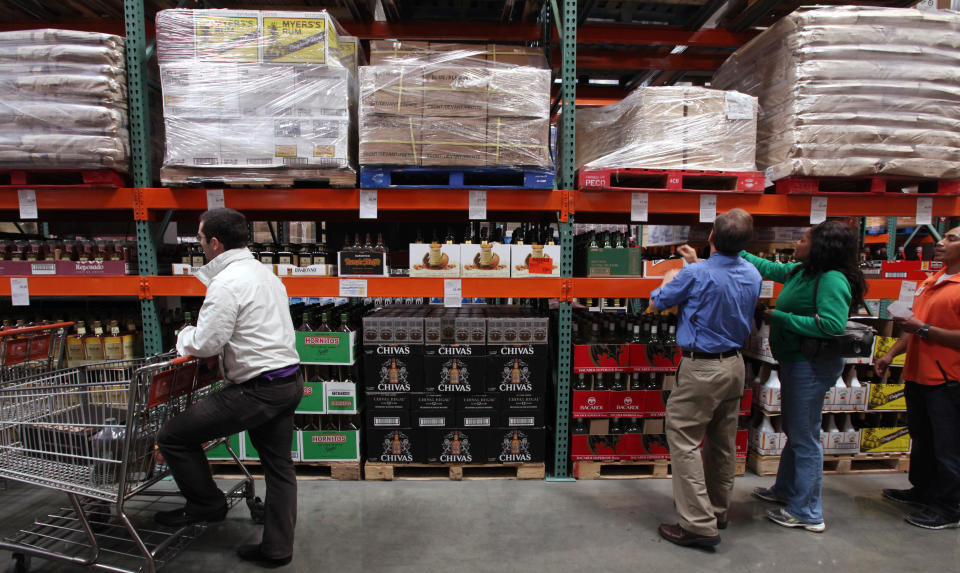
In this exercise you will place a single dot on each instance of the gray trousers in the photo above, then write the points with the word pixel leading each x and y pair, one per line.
pixel 704 404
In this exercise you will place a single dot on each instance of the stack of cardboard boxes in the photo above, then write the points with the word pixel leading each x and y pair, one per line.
pixel 458 105
pixel 249 90
pixel 459 386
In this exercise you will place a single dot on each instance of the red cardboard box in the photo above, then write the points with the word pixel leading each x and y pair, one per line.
pixel 657 402
pixel 630 404
pixel 608 447
pixel 909 270
pixel 590 403
pixel 654 357
pixel 746 401
pixel 647 447
pixel 601 358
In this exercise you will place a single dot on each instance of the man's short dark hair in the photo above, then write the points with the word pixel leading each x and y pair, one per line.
pixel 228 225
pixel 732 231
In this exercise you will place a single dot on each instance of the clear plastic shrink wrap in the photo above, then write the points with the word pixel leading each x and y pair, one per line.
pixel 458 105
pixel 670 128
pixel 256 92
pixel 63 101
pixel 848 91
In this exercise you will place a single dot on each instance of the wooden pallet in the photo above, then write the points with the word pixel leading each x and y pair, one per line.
pixel 637 179
pixel 409 177
pixel 455 472
pixel 241 178
pixel 61 178
pixel 867 184
pixel 632 469
pixel 306 471
pixel 838 464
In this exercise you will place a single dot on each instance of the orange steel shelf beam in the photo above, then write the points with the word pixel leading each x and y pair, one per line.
pixel 641 288
pixel 838 204
pixel 78 286
pixel 349 199
pixel 71 199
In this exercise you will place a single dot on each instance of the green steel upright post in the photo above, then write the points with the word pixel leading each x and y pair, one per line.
pixel 566 156
pixel 891 238
pixel 139 125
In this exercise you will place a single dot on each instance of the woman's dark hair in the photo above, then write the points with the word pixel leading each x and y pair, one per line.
pixel 833 247
pixel 227 225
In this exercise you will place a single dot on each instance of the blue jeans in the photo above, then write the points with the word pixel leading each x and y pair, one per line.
pixel 800 475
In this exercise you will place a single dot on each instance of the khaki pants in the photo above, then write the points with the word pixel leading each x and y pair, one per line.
pixel 705 403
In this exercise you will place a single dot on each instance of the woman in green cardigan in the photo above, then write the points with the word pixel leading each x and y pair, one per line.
pixel 827 254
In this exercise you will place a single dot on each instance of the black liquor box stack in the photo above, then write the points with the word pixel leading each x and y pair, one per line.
pixel 449 385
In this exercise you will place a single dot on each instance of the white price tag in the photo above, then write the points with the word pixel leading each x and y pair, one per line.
pixel 766 289
pixel 215 199
pixel 924 210
pixel 818 210
pixel 353 287
pixel 368 203
pixel 452 293
pixel 708 208
pixel 899 309
pixel 28 203
pixel 478 205
pixel 907 291
pixel 639 207
pixel 19 291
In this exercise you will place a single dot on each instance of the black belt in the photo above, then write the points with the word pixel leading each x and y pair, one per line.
pixel 710 355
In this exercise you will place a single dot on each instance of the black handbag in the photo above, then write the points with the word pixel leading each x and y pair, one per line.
pixel 856 340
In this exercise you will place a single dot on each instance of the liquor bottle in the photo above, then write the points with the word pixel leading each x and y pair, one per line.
pixel 773 380
pixel 76 349
pixel 633 427
pixel 132 340
pixel 581 382
pixel 654 335
pixel 344 322
pixel 515 374
pixel 449 238
pixel 454 373
pixel 616 426
pixel 847 424
pixel 379 247
pixel 347 245
pixel 93 343
pixel 515 443
pixel 617 385
pixel 468 235
pixel 637 338
pixel 305 325
pixel 267 255
pixel 671 339
pixel 635 383
pixel 580 426
pixel 324 325
pixel 599 383
pixel 285 255
pixel 765 425
pixel 305 255
pixel 113 343
pixel 831 424
pixel 853 381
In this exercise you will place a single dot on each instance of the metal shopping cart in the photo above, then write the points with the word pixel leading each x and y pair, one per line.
pixel 90 431
pixel 32 350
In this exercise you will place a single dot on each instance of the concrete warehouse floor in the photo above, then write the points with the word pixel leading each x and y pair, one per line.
pixel 495 526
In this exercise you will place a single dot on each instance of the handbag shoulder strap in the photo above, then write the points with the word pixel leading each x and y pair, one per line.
pixel 816 311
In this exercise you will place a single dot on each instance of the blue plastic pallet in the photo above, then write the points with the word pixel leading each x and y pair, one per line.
pixel 405 177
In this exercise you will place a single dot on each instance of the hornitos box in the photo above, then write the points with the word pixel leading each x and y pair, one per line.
pixel 251 453
pixel 330 446
pixel 313 400
pixel 326 347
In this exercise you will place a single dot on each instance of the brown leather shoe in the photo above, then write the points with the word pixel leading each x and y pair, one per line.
pixel 680 536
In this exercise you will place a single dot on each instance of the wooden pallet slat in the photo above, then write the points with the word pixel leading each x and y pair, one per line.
pixel 453 472
pixel 866 184
pixel 253 178
pixel 306 471
pixel 638 469
pixel 838 463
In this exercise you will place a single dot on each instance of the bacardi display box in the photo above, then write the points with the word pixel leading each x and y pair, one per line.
pixel 393 368
pixel 388 410
pixel 629 404
pixel 516 445
pixel 331 348
pixel 601 358
pixel 523 410
pixel 456 446
pixel 478 410
pixel 220 452
pixel 884 440
pixel 518 368
pixel 657 402
pixel 398 445
pixel 454 368
pixel 313 400
pixel 249 452
pixel 886 397
pixel 433 410
pixel 654 357
pixel 330 446
pixel 590 403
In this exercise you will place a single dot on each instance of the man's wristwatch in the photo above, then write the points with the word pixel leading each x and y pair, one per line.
pixel 924 331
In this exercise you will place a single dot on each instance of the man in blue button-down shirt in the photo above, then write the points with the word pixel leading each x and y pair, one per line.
pixel 716 298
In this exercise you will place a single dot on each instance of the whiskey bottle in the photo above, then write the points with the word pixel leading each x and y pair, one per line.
pixel 93 343
pixel 113 342
pixel 76 348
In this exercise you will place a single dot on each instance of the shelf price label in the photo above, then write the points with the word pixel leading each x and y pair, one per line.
pixel 639 207
pixel 708 208
pixel 19 291
pixel 215 199
pixel 924 210
pixel 368 203
pixel 452 293
pixel 353 287
pixel 818 210
pixel 907 291
pixel 478 205
pixel 766 289
pixel 28 203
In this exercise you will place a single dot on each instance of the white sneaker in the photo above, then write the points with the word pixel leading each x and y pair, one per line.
pixel 780 516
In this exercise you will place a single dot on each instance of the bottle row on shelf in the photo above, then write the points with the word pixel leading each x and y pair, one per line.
pixel 853 433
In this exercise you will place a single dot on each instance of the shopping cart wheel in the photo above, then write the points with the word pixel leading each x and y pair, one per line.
pixel 20 563
pixel 256 510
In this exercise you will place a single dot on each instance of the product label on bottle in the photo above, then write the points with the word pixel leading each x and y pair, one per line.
pixel 94 350
pixel 113 348
pixel 75 352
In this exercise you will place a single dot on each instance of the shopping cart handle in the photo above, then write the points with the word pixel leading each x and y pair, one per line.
pixel 26 329
pixel 182 360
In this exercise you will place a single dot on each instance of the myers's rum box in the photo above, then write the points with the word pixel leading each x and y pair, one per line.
pixel 485 260
pixel 397 445
pixel 534 261
pixel 435 260
pixel 517 368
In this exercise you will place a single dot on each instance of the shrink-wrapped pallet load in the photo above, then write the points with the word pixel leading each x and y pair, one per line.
pixel 63 101
pixel 670 128
pixel 432 104
pixel 256 96
pixel 854 91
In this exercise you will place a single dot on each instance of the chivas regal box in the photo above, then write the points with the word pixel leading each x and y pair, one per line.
pixel 432 410
pixel 398 445
pixel 523 410
pixel 393 368
pixel 456 446
pixel 454 368
pixel 478 410
pixel 388 410
pixel 516 445
pixel 518 368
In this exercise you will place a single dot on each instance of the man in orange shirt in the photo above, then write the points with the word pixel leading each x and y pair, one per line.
pixel 932 341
